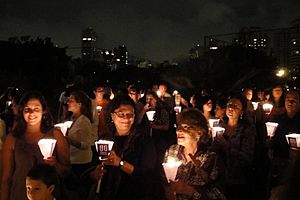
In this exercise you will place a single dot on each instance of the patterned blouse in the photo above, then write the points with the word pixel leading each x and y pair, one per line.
pixel 204 177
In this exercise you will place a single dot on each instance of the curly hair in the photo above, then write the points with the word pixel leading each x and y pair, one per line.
pixel 194 118
pixel 47 120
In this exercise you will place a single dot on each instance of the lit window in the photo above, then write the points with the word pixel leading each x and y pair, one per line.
pixel 106 52
pixel 254 39
pixel 294 42
pixel 118 60
pixel 213 48
pixel 89 39
pixel 297 52
pixel 83 38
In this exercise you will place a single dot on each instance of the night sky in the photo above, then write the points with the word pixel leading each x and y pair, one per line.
pixel 156 29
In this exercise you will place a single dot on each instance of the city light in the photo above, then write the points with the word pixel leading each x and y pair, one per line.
pixel 280 73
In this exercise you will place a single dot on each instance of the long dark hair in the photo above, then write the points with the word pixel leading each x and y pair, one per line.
pixel 47 120
pixel 86 104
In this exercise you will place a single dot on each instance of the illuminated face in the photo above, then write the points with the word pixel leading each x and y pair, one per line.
pixel 73 105
pixel 292 102
pixel 248 94
pixel 184 135
pixel 234 109
pixel 163 89
pixel 133 95
pixel 219 112
pixel 37 190
pixel 99 92
pixel 277 92
pixel 207 107
pixel 123 118
pixel 33 112
pixel 151 100
pixel 14 107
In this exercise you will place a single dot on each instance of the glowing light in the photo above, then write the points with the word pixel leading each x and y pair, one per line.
pixel 280 73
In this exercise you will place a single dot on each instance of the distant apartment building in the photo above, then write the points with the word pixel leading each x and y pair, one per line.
pixel 254 37
pixel 294 57
pixel 89 50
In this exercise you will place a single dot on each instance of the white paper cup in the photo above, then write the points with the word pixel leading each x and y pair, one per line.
pixel 64 126
pixel 103 147
pixel 213 122
pixel 217 131
pixel 170 169
pixel 177 109
pixel 293 140
pixel 271 128
pixel 46 147
pixel 255 105
pixel 150 115
pixel 267 107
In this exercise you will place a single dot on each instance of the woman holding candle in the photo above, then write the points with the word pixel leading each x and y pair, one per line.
pixel 162 126
pixel 130 164
pixel 236 146
pixel 198 176
pixel 21 150
pixel 277 100
pixel 80 135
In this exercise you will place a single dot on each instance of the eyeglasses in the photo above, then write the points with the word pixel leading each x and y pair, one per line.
pixel 124 115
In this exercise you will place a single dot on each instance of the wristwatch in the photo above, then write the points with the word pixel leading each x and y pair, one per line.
pixel 121 163
pixel 196 195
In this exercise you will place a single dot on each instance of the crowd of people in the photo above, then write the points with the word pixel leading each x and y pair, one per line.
pixel 149 128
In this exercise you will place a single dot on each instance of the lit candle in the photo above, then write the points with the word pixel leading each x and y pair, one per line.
pixel 293 139
pixel 213 122
pixel 170 168
pixel 217 131
pixel 103 147
pixel 267 107
pixel 46 147
pixel 64 126
pixel 271 128
pixel 150 115
pixel 255 105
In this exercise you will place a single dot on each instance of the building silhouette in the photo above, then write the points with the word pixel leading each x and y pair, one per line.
pixel 89 51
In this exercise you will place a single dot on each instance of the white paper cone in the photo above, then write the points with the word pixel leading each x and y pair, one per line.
pixel 47 147
pixel 293 139
pixel 267 108
pixel 110 144
pixel 171 169
pixel 271 128
pixel 150 115
pixel 255 105
pixel 213 122
pixel 64 126
pixel 217 131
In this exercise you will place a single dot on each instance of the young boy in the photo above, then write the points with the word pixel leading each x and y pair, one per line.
pixel 41 181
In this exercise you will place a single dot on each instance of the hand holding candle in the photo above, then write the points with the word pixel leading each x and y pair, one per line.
pixel 103 148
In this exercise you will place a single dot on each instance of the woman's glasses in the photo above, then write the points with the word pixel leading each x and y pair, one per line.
pixel 124 115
